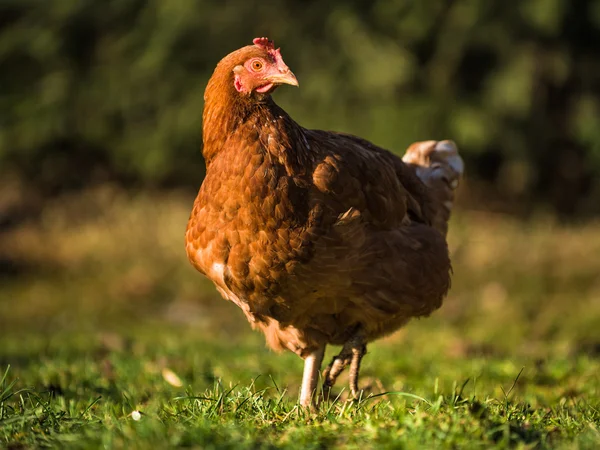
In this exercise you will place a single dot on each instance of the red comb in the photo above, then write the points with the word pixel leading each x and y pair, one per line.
pixel 264 42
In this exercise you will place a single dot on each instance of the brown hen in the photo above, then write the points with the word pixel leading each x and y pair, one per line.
pixel 319 237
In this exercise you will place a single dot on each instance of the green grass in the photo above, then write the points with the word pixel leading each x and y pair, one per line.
pixel 80 391
pixel 107 310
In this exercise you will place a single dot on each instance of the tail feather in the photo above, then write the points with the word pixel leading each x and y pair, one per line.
pixel 439 166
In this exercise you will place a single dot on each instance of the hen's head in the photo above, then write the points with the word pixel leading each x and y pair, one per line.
pixel 258 69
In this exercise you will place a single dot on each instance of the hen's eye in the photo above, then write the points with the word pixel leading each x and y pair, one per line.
pixel 257 65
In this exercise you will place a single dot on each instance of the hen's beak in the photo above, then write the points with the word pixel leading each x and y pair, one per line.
pixel 283 78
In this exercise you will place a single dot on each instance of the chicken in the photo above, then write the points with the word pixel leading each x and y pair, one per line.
pixel 319 237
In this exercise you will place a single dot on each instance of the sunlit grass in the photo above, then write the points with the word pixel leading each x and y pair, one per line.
pixel 106 307
pixel 82 391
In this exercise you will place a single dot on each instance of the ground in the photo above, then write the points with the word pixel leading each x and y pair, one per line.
pixel 102 318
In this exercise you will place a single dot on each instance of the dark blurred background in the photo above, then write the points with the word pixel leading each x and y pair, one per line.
pixel 100 143
pixel 94 91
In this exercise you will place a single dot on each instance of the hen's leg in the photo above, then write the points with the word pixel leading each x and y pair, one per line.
pixel 337 366
pixel 312 366
pixel 352 353
pixel 358 351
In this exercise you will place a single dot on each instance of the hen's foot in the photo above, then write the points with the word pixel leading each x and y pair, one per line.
pixel 351 354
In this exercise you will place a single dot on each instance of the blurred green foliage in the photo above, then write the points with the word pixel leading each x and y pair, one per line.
pixel 95 90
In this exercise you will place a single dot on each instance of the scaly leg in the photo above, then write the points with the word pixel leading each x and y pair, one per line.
pixel 358 351
pixel 352 352
pixel 337 366
pixel 312 366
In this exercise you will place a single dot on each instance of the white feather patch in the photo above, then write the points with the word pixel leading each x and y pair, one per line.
pixel 217 270
pixel 448 150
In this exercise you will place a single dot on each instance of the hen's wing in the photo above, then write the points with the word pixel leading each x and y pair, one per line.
pixel 376 261
pixel 354 173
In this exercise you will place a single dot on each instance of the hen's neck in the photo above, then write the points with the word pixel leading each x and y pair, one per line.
pixel 225 110
pixel 256 120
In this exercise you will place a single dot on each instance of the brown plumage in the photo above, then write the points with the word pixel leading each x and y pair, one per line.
pixel 319 237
